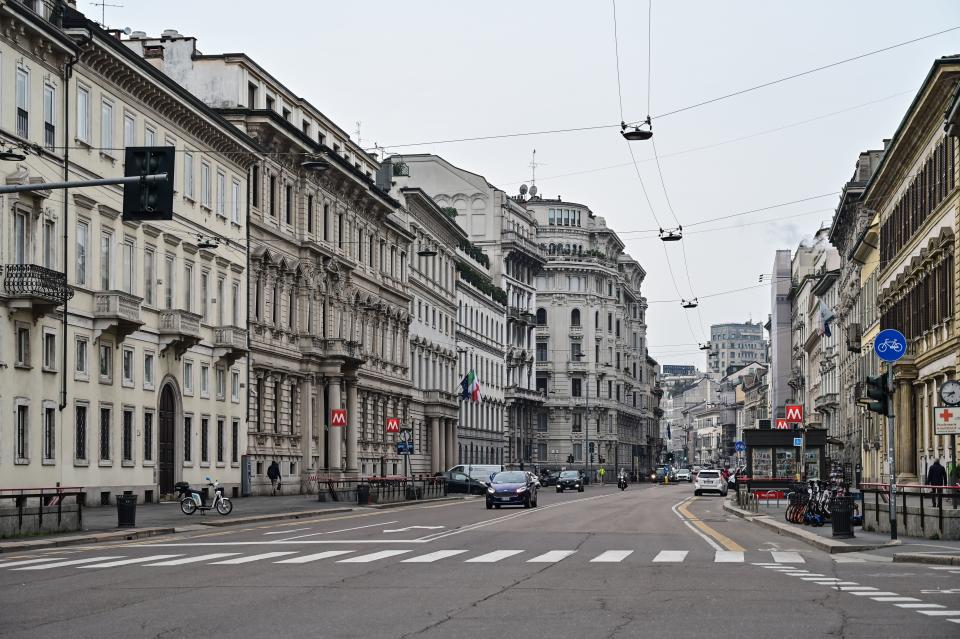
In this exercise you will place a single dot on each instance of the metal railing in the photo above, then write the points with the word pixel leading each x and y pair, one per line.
pixel 45 498
pixel 942 498
pixel 31 280
pixel 380 490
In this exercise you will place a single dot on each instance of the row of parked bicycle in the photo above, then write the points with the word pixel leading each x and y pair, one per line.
pixel 811 503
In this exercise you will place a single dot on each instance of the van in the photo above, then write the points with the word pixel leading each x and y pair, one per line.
pixel 481 472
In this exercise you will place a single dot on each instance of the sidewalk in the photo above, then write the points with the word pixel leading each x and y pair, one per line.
pixel 911 549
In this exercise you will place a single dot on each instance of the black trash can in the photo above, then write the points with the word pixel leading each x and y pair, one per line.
pixel 841 510
pixel 363 494
pixel 126 511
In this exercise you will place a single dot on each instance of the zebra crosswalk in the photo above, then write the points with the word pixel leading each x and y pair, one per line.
pixel 782 560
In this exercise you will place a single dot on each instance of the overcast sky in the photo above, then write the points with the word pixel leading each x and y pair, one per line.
pixel 434 70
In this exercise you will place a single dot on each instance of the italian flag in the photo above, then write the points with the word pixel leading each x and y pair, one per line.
pixel 470 387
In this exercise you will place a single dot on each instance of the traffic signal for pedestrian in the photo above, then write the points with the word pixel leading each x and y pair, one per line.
pixel 148 200
pixel 878 395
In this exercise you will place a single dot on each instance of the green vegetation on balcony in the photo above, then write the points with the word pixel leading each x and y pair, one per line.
pixel 475 252
pixel 481 282
pixel 451 212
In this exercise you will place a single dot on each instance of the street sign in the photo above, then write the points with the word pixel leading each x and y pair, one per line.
pixel 404 448
pixel 794 413
pixel 740 446
pixel 406 435
pixel 798 441
pixel 782 424
pixel 338 417
pixel 890 345
pixel 946 420
pixel 393 425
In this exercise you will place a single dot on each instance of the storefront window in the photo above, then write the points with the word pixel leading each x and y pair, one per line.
pixel 762 462
pixel 786 466
pixel 813 464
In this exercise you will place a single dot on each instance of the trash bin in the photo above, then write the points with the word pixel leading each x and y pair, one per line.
pixel 126 511
pixel 841 510
pixel 363 494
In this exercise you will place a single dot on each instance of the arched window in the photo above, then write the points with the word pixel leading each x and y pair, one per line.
pixel 575 317
pixel 541 316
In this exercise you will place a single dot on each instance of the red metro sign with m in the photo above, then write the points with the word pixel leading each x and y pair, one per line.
pixel 338 417
pixel 393 425
pixel 794 413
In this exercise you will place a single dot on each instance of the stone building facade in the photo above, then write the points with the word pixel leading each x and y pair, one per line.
pixel 734 345
pixel 142 384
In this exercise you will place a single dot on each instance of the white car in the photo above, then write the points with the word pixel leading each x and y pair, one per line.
pixel 710 481
pixel 684 475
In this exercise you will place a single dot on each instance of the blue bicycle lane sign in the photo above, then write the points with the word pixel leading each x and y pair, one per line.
pixel 890 345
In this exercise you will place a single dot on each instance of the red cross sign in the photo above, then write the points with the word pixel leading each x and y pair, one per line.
pixel 338 417
pixel 946 421
pixel 393 425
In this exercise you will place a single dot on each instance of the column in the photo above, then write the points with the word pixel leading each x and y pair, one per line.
pixel 906 453
pixel 320 420
pixel 307 429
pixel 441 444
pixel 334 453
pixel 352 420
pixel 451 429
pixel 435 445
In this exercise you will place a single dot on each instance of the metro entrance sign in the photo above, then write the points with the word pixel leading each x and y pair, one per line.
pixel 338 417
pixel 793 413
pixel 782 424
pixel 946 420
pixel 393 425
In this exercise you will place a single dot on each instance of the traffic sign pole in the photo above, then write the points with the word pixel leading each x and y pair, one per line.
pixel 893 464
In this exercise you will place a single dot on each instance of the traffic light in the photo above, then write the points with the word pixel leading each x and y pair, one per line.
pixel 591 458
pixel 602 460
pixel 878 392
pixel 669 457
pixel 569 459
pixel 591 449
pixel 148 200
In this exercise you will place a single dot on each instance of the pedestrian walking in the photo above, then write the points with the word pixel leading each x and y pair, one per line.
pixel 273 472
pixel 937 476
pixel 602 472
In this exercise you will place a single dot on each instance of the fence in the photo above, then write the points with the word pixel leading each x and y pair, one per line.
pixel 918 512
pixel 380 490
pixel 25 511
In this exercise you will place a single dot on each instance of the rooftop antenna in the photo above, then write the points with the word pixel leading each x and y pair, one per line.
pixel 357 132
pixel 103 11
pixel 533 168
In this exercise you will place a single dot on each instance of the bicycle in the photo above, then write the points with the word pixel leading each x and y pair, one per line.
pixel 892 344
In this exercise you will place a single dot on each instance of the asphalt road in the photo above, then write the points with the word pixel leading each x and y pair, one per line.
pixel 652 561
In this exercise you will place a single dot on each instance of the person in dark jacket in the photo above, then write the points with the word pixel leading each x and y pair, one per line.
pixel 937 476
pixel 273 472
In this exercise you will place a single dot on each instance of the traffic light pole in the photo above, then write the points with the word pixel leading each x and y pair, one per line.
pixel 890 455
pixel 73 184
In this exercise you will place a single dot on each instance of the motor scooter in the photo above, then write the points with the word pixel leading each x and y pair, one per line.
pixel 622 482
pixel 191 499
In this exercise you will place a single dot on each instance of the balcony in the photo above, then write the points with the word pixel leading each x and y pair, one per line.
pixel 516 392
pixel 434 401
pixel 513 241
pixel 320 348
pixel 229 343
pixel 826 401
pixel 29 286
pixel 179 330
pixel 574 366
pixel 117 313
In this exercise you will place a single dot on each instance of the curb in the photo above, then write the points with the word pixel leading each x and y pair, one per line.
pixel 255 519
pixel 922 558
pixel 120 535
pixel 831 546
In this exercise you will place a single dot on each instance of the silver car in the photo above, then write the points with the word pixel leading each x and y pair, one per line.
pixel 684 475
pixel 710 481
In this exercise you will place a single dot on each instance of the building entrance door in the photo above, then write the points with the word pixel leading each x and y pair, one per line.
pixel 165 452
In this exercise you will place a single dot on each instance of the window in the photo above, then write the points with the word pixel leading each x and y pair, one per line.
pixel 576 388
pixel 106 263
pixel 578 452
pixel 49 244
pixel 187 438
pixel 288 204
pixel 326 221
pixel 23 345
pixel 339 230
pixel 105 417
pixel 129 130
pixel 83 241
pixel 21 234
pixel 251 95
pixel 83 114
pixel 204 380
pixel 128 266
pixel 188 175
pixel 80 364
pixel 188 287
pixel 255 183
pixel 148 277
pixel 106 363
pixel 126 446
pixel 221 284
pixel 80 432
pixel 221 194
pixel 541 351
pixel 147 436
pixel 149 136
pixel 204 294
pixel 204 440
pixel 235 304
pixel 575 351
pixel 49 350
pixel 106 127
pixel 575 317
pixel 49 111
pixel 168 283
pixel 235 386
pixel 127 366
pixel 309 214
pixel 235 441
pixel 220 428
pixel 205 186
pixel 23 103
pixel 187 377
pixel 273 196
pixel 148 370
pixel 22 437
pixel 222 384
pixel 235 202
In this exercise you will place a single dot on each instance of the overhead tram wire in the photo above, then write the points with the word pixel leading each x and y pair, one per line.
pixel 685 108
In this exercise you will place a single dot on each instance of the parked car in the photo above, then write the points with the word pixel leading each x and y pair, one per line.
pixel 709 481
pixel 482 472
pixel 549 478
pixel 684 474
pixel 570 480
pixel 512 488
pixel 460 483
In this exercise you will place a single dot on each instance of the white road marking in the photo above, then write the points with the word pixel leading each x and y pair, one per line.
pixel 804 574
pixel 820 579
pixel 303 559
pixel 396 530
pixel 670 556
pixel 940 613
pixel 712 543
pixel 788 557
pixel 492 557
pixel 333 532
pixel 611 557
pixel 875 594
pixel 916 606
pixel 27 562
pixel 551 557
pixel 432 557
pixel 247 560
pixel 127 562
pixel 854 588
pixel 894 599
pixel 193 560
pixel 72 562
pixel 728 557
pixel 285 532
pixel 840 559
pixel 374 556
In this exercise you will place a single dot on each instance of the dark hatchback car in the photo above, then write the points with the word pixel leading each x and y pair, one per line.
pixel 460 483
pixel 512 488
pixel 570 480
pixel 549 478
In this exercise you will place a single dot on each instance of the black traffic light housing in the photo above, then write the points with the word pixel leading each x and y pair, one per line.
pixel 148 200
pixel 569 459
pixel 878 394
pixel 602 460
pixel 669 457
